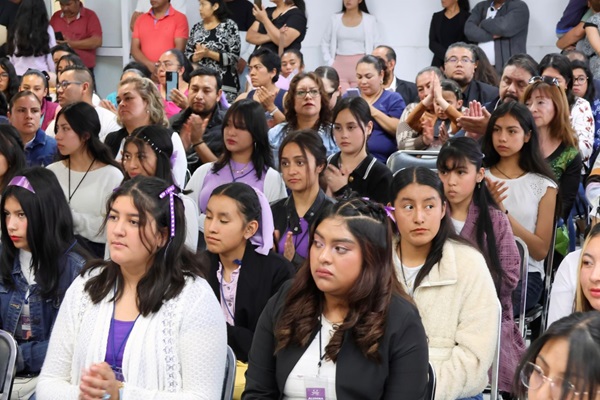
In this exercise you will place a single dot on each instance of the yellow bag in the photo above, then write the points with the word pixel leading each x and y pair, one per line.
pixel 240 380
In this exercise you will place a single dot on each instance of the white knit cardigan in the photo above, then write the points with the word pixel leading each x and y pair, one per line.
pixel 177 353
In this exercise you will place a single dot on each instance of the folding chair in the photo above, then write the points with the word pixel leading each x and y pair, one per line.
pixel 229 381
pixel 412 158
pixel 494 394
pixel 8 361
pixel 430 394
pixel 524 253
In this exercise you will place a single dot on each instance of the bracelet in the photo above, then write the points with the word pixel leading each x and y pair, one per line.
pixel 197 144
pixel 272 113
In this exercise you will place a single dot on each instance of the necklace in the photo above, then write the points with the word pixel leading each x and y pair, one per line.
pixel 508 177
pixel 79 184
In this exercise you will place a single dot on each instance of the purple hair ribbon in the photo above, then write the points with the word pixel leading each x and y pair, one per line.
pixel 21 181
pixel 170 191
pixel 172 159
pixel 389 210
pixel 263 238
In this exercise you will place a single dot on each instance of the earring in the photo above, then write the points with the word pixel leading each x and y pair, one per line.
pixel 147 111
pixel 479 185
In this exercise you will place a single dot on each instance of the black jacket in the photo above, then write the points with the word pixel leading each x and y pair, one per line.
pixel 260 278
pixel 402 373
pixel 407 90
pixel 480 91
pixel 370 179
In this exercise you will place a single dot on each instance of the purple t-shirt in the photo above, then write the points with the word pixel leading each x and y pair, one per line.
pixel 117 336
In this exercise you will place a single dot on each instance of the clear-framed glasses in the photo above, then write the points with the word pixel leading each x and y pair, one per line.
pixel 3 75
pixel 533 378
pixel 463 60
pixel 302 93
pixel 167 65
pixel 580 80
pixel 550 80
pixel 65 84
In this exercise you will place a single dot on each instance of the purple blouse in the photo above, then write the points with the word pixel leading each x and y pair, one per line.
pixel 117 338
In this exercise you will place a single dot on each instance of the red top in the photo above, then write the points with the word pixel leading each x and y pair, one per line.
pixel 158 35
pixel 84 26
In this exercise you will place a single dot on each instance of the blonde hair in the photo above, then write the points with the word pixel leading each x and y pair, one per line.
pixel 581 302
pixel 149 93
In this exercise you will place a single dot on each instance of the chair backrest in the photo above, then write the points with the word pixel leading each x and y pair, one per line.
pixel 548 279
pixel 524 253
pixel 229 381
pixel 494 394
pixel 8 360
pixel 412 158
pixel 430 395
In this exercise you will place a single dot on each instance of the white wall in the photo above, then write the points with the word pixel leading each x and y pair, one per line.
pixel 405 25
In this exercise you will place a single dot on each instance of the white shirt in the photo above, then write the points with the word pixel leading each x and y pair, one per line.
pixel 489 47
pixel 562 295
pixel 351 40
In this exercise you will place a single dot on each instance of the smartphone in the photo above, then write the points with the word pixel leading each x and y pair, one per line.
pixel 258 3
pixel 59 36
pixel 352 92
pixel 172 78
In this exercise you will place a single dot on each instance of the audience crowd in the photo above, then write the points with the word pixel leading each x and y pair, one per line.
pixel 343 231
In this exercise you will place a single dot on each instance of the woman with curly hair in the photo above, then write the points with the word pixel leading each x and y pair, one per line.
pixel 344 327
pixel 30 38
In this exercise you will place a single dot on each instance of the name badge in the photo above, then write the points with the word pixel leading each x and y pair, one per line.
pixel 315 387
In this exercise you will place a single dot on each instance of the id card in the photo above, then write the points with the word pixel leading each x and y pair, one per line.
pixel 315 387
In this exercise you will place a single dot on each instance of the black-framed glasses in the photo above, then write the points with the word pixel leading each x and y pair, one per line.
pixel 580 80
pixel 65 84
pixel 303 93
pixel 533 378
pixel 550 80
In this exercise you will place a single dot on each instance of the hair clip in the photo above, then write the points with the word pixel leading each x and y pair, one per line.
pixel 151 143
pixel 389 210
pixel 21 181
pixel 170 191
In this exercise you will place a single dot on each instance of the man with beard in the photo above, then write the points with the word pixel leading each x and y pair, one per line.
pixel 200 124
pixel 519 69
pixel 460 65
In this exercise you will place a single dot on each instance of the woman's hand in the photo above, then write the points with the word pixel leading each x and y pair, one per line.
pixel 289 250
pixel 260 14
pixel 98 381
pixel 335 178
pixel 200 52
pixel 179 99
pixel 108 105
pixel 444 136
pixel 265 98
pixel 497 189
pixel 436 88
pixel 427 131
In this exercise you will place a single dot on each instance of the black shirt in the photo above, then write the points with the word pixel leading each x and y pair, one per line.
pixel 241 12
pixel 292 18
pixel 370 179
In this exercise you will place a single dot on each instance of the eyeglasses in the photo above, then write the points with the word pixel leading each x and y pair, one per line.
pixel 455 60
pixel 3 75
pixel 580 80
pixel 550 80
pixel 533 378
pixel 302 93
pixel 166 65
pixel 65 84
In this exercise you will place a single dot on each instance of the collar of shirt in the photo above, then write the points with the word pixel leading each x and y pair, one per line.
pixel 62 14
pixel 151 12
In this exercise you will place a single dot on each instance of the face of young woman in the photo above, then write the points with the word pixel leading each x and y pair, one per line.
pixel 132 108
pixel 299 172
pixel 131 246
pixel 460 182
pixel 508 137
pixel 589 274
pixel 16 223
pixel 552 359
pixel 289 63
pixel 450 97
pixel 67 141
pixel 4 80
pixel 369 79
pixel 225 230
pixel 352 4
pixel 418 211
pixel 237 140
pixel 306 103
pixel 542 109
pixel 350 135
pixel 335 257
pixel 207 9
pixel 137 162
pixel 448 3
pixel 580 82
pixel 34 84
pixel 25 116
pixel 554 73
pixel 62 65
pixel 57 56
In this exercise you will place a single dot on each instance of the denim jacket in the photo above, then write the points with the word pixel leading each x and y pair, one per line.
pixel 43 312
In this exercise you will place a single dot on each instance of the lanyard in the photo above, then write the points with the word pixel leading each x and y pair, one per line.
pixel 234 178
pixel 223 297
pixel 321 355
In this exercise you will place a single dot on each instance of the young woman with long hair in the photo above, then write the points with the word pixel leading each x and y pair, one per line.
pixel 86 172
pixel 246 157
pixel 136 326
pixel 523 186
pixel 344 327
pixel 477 218
pixel 584 87
pixel 447 27
pixel 302 160
pixel 434 263
pixel 12 157
pixel 353 169
pixel 40 257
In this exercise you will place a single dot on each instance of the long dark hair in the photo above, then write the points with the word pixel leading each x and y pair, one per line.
pixel 172 262
pixel 362 6
pixel 360 110
pixel 454 154
pixel 531 159
pixel 368 299
pixel 11 147
pixel 582 332
pixel 49 230
pixel 590 93
pixel 249 115
pixel 563 65
pixel 306 140
pixel 464 5
pixel 84 121
pixel 221 13
pixel 28 35
pixel 13 79
pixel 291 116
pixel 485 71
pixel 159 139
pixel 298 3
pixel 426 177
